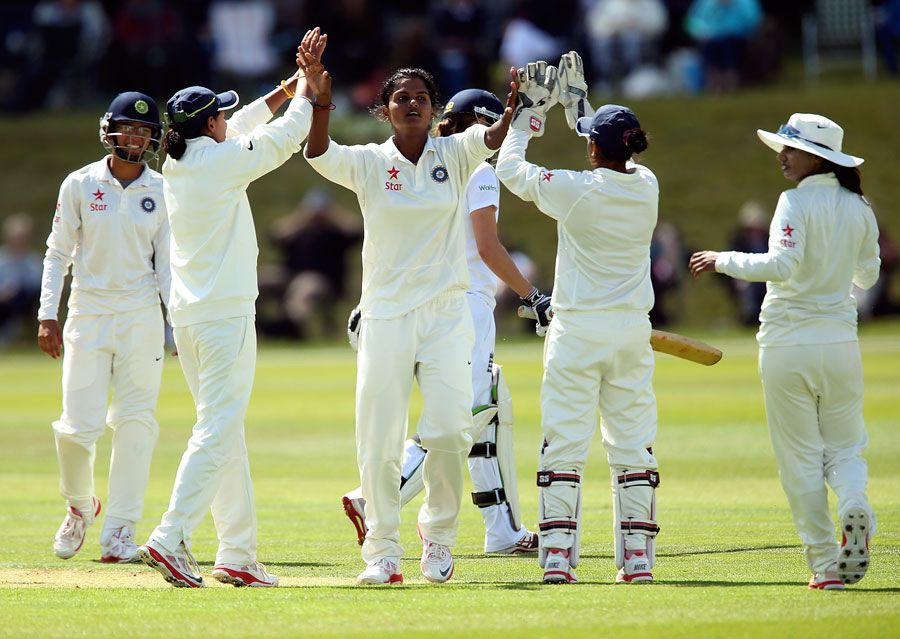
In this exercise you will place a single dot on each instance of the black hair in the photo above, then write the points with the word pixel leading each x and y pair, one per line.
pixel 847 176
pixel 633 141
pixel 174 143
pixel 455 123
pixel 390 85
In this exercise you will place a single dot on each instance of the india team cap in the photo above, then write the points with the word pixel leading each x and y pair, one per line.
pixel 608 126
pixel 195 104
pixel 811 133
pixel 475 101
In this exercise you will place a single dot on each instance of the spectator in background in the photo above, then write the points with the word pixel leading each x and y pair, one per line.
pixel 623 35
pixel 70 38
pixel 877 300
pixel 242 50
pixel 507 300
pixel 535 32
pixel 667 257
pixel 722 28
pixel 887 33
pixel 461 44
pixel 20 276
pixel 751 236
pixel 147 36
pixel 314 241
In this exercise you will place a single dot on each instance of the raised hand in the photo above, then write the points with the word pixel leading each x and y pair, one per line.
pixel 538 90
pixel 573 88
pixel 309 60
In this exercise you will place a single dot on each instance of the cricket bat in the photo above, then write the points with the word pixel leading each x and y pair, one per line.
pixel 681 346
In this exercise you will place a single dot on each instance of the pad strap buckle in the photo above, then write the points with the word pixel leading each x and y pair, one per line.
pixel 489 498
pixel 639 478
pixel 484 449
pixel 548 477
pixel 563 524
pixel 635 527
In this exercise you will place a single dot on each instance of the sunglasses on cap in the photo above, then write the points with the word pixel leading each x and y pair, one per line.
pixel 180 117
pixel 793 133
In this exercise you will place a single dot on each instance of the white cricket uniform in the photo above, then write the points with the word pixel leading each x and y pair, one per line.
pixel 117 242
pixel 214 289
pixel 822 240
pixel 414 323
pixel 597 350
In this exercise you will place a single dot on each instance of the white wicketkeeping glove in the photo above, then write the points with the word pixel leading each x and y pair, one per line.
pixel 353 323
pixel 573 91
pixel 538 91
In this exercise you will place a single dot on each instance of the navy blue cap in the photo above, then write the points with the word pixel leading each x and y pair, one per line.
pixel 607 127
pixel 191 106
pixel 134 106
pixel 476 101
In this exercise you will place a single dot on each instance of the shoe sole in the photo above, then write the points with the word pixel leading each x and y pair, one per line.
pixel 112 559
pixel 557 577
pixel 636 578
pixel 170 574
pixel 439 580
pixel 94 500
pixel 356 519
pixel 394 579
pixel 826 585
pixel 240 579
pixel 853 561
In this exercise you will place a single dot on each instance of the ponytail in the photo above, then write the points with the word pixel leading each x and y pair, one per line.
pixel 849 177
pixel 174 144
pixel 635 141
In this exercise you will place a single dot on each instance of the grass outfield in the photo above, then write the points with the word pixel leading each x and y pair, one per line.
pixel 729 563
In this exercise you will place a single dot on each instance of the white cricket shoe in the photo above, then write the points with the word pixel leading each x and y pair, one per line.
pixel 853 560
pixel 70 536
pixel 355 509
pixel 557 569
pixel 385 571
pixel 828 580
pixel 636 569
pixel 254 575
pixel 437 561
pixel 117 545
pixel 528 544
pixel 179 568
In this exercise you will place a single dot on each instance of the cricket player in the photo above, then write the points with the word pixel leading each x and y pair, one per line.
pixel 415 320
pixel 597 350
pixel 210 164
pixel 110 226
pixel 491 460
pixel 823 238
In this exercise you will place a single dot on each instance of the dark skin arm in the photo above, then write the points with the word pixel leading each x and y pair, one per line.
pixel 309 58
pixel 496 133
pixel 50 338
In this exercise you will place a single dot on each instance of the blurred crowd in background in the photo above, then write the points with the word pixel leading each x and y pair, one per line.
pixel 55 54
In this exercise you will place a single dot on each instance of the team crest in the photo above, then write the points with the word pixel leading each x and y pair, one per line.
pixel 148 204
pixel 141 107
pixel 439 174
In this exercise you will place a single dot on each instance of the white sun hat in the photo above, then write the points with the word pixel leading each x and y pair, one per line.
pixel 811 133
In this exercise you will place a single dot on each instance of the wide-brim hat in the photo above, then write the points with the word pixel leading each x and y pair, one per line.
pixel 811 133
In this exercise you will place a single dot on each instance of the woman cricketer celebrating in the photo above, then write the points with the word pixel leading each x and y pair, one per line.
pixel 823 239
pixel 598 350
pixel 415 320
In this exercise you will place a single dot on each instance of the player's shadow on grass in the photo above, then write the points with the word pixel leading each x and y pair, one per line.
pixel 686 553
pixel 740 584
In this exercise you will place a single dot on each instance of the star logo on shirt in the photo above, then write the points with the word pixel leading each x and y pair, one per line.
pixel 788 231
pixel 394 171
pixel 546 175
pixel 98 195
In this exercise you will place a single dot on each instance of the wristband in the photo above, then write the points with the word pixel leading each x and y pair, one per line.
pixel 287 91
pixel 331 106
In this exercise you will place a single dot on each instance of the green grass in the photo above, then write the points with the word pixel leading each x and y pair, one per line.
pixel 729 562
pixel 704 150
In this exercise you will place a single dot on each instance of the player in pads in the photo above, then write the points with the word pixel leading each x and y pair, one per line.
pixel 491 460
pixel 597 350
pixel 110 226
pixel 822 238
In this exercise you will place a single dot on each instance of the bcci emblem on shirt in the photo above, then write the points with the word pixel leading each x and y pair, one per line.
pixel 439 174
pixel 148 204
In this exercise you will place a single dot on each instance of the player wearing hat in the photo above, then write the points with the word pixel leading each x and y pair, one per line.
pixel 491 460
pixel 597 350
pixel 110 226
pixel 210 164
pixel 823 238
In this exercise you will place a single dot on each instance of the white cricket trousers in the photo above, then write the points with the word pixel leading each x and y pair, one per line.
pixel 485 472
pixel 122 353
pixel 814 406
pixel 591 359
pixel 432 343
pixel 219 360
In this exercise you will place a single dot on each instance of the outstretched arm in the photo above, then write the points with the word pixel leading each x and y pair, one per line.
pixel 309 58
pixel 496 133
pixel 494 254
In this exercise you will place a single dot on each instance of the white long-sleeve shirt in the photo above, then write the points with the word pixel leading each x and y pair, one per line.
pixel 822 239
pixel 414 245
pixel 116 241
pixel 214 246
pixel 605 220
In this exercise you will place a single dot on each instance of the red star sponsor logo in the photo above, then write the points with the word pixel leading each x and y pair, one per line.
pixel 788 231
pixel 394 171
pixel 98 194
pixel 546 175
